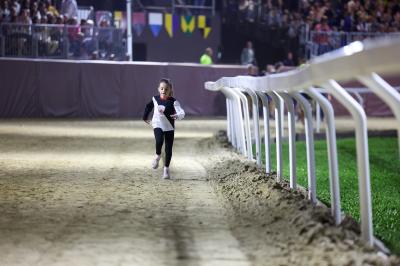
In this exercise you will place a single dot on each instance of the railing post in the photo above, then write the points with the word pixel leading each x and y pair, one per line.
pixel 332 152
pixel 278 133
pixel 228 119
pixel 362 157
pixel 292 138
pixel 95 37
pixel 308 121
pixel 65 41
pixel 239 125
pixel 318 118
pixel 249 151
pixel 35 41
pixel 267 136
pixel 2 45
pixel 282 116
pixel 2 41
pixel 387 93
pixel 234 138
pixel 232 111
pixel 232 117
pixel 256 123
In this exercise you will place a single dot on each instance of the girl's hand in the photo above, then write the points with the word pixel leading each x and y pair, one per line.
pixel 174 116
pixel 147 121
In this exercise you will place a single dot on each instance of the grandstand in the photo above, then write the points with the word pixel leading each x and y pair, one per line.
pixel 275 27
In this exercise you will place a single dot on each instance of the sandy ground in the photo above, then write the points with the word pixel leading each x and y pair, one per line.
pixel 83 193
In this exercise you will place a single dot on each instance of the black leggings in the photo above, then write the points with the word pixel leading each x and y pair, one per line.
pixel 169 142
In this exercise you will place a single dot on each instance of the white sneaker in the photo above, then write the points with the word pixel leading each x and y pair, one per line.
pixel 155 162
pixel 166 174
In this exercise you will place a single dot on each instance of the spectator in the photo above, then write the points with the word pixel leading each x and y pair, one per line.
pixel 51 9
pixel 87 36
pixel 59 20
pixel 51 19
pixel 252 71
pixel 74 36
pixel 43 20
pixel 230 11
pixel 25 4
pixel 69 8
pixel 94 55
pixel 270 69
pixel 13 18
pixel 289 60
pixel 322 36
pixel 278 67
pixel 34 13
pixel 16 5
pixel 105 39
pixel 242 8
pixel 4 9
pixel 247 56
pixel 206 58
pixel 348 22
pixel 25 18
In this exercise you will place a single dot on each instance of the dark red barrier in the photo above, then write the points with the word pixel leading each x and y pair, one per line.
pixel 87 89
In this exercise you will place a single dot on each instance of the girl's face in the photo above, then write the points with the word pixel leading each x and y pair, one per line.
pixel 163 89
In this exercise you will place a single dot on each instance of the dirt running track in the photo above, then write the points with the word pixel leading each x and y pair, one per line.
pixel 83 193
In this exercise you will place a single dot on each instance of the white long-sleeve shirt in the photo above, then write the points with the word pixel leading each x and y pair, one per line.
pixel 163 119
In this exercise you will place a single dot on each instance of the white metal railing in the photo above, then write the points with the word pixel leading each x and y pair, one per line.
pixel 356 92
pixel 197 6
pixel 359 60
pixel 61 41
pixel 180 6
pixel 320 42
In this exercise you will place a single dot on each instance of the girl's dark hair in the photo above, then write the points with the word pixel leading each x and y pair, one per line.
pixel 169 85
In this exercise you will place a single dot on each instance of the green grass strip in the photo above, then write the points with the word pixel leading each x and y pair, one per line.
pixel 385 181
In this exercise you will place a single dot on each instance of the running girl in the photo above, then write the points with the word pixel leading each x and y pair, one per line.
pixel 166 110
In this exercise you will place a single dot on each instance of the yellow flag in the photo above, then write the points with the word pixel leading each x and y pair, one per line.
pixel 168 24
pixel 201 21
pixel 117 15
pixel 204 25
pixel 187 24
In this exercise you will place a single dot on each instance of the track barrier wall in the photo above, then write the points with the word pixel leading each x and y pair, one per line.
pixel 103 89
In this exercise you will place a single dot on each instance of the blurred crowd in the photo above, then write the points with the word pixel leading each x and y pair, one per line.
pixel 354 15
pixel 309 28
pixel 340 15
pixel 78 39
pixel 38 12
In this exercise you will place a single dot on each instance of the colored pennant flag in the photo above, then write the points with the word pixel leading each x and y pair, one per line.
pixel 155 23
pixel 138 22
pixel 119 20
pixel 204 25
pixel 171 24
pixel 187 24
